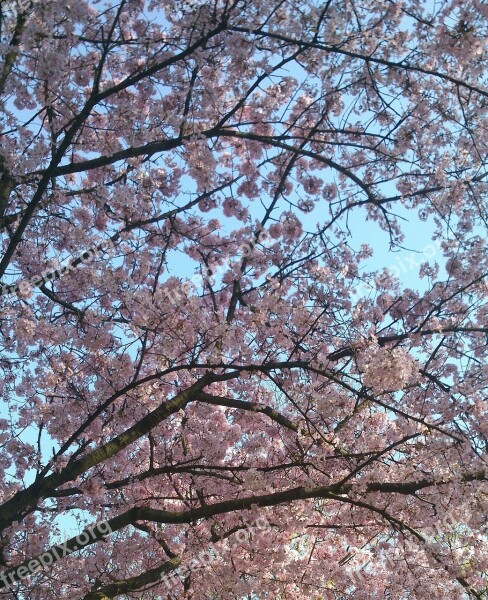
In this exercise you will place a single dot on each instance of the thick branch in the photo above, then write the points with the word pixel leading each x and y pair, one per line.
pixel 134 583
pixel 250 406
pixel 332 492
pixel 26 500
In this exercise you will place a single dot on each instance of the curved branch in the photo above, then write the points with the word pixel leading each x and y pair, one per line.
pixel 250 406
pixel 25 500
pixel 336 492
pixel 133 584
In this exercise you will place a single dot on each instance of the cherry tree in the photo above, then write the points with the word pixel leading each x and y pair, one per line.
pixel 195 334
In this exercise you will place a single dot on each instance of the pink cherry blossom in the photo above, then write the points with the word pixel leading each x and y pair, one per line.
pixel 243 276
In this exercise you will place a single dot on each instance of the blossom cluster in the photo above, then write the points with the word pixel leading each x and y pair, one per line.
pixel 386 369
pixel 22 5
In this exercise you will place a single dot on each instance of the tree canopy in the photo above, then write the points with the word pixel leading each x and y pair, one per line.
pixel 196 332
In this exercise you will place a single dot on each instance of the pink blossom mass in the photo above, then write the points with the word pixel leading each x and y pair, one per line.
pixel 244 279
